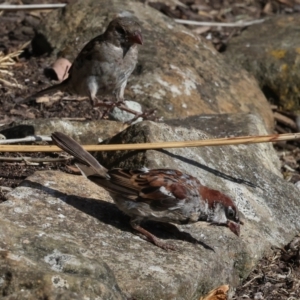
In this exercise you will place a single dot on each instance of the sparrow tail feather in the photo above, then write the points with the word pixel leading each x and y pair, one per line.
pixel 57 87
pixel 69 145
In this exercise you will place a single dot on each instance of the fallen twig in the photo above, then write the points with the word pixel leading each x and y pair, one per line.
pixel 254 278
pixel 160 145
pixel 31 6
pixel 7 60
pixel 5 189
pixel 220 24
pixel 180 21
pixel 6 72
pixel 33 159
pixel 285 120
pixel 36 138
pixel 73 119
pixel 11 84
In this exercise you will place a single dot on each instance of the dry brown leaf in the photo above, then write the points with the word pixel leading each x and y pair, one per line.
pixel 219 293
pixel 73 169
pixel 49 100
pixel 42 99
pixel 16 112
pixel 29 115
pixel 75 98
pixel 40 13
pixel 268 8
pixel 202 29
pixel 205 14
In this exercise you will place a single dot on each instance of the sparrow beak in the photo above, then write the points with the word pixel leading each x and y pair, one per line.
pixel 136 38
pixel 234 227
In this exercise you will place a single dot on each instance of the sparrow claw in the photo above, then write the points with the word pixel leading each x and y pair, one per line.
pixel 158 242
pixel 151 237
pixel 109 105
pixel 147 115
pixel 165 246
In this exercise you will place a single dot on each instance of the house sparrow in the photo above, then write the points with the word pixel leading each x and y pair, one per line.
pixel 104 64
pixel 162 195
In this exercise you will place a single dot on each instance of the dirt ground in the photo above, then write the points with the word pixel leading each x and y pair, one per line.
pixel 277 276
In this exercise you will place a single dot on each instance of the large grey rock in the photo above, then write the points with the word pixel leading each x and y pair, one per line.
pixel 178 73
pixel 66 210
pixel 223 125
pixel 271 52
pixel 38 264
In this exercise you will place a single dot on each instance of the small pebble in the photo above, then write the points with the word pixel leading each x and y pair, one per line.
pixel 258 296
pixel 124 116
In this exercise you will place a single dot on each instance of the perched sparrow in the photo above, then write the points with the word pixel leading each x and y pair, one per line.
pixel 162 195
pixel 104 64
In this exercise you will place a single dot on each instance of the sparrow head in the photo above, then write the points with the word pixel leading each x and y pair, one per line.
pixel 222 210
pixel 126 30
pixel 226 215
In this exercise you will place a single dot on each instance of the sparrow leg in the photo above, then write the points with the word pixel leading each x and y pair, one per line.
pixel 93 90
pixel 146 115
pixel 150 237
pixel 120 104
pixel 109 105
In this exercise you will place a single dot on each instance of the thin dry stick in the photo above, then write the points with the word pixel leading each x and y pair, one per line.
pixel 5 189
pixel 11 84
pixel 31 6
pixel 187 22
pixel 36 138
pixel 160 145
pixel 6 72
pixel 254 278
pixel 285 120
pixel 220 24
pixel 7 60
pixel 33 159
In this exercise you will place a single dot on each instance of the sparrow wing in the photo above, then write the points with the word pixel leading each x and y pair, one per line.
pixel 92 51
pixel 160 188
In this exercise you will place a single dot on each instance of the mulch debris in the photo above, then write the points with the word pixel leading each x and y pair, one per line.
pixel 277 275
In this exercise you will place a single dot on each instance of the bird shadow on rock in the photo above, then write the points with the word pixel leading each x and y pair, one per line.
pixel 208 169
pixel 109 214
pixel 127 155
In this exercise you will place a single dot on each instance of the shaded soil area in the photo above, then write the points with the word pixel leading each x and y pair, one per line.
pixel 277 276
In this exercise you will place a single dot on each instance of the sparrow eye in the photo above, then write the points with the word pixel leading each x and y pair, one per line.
pixel 230 213
pixel 120 30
